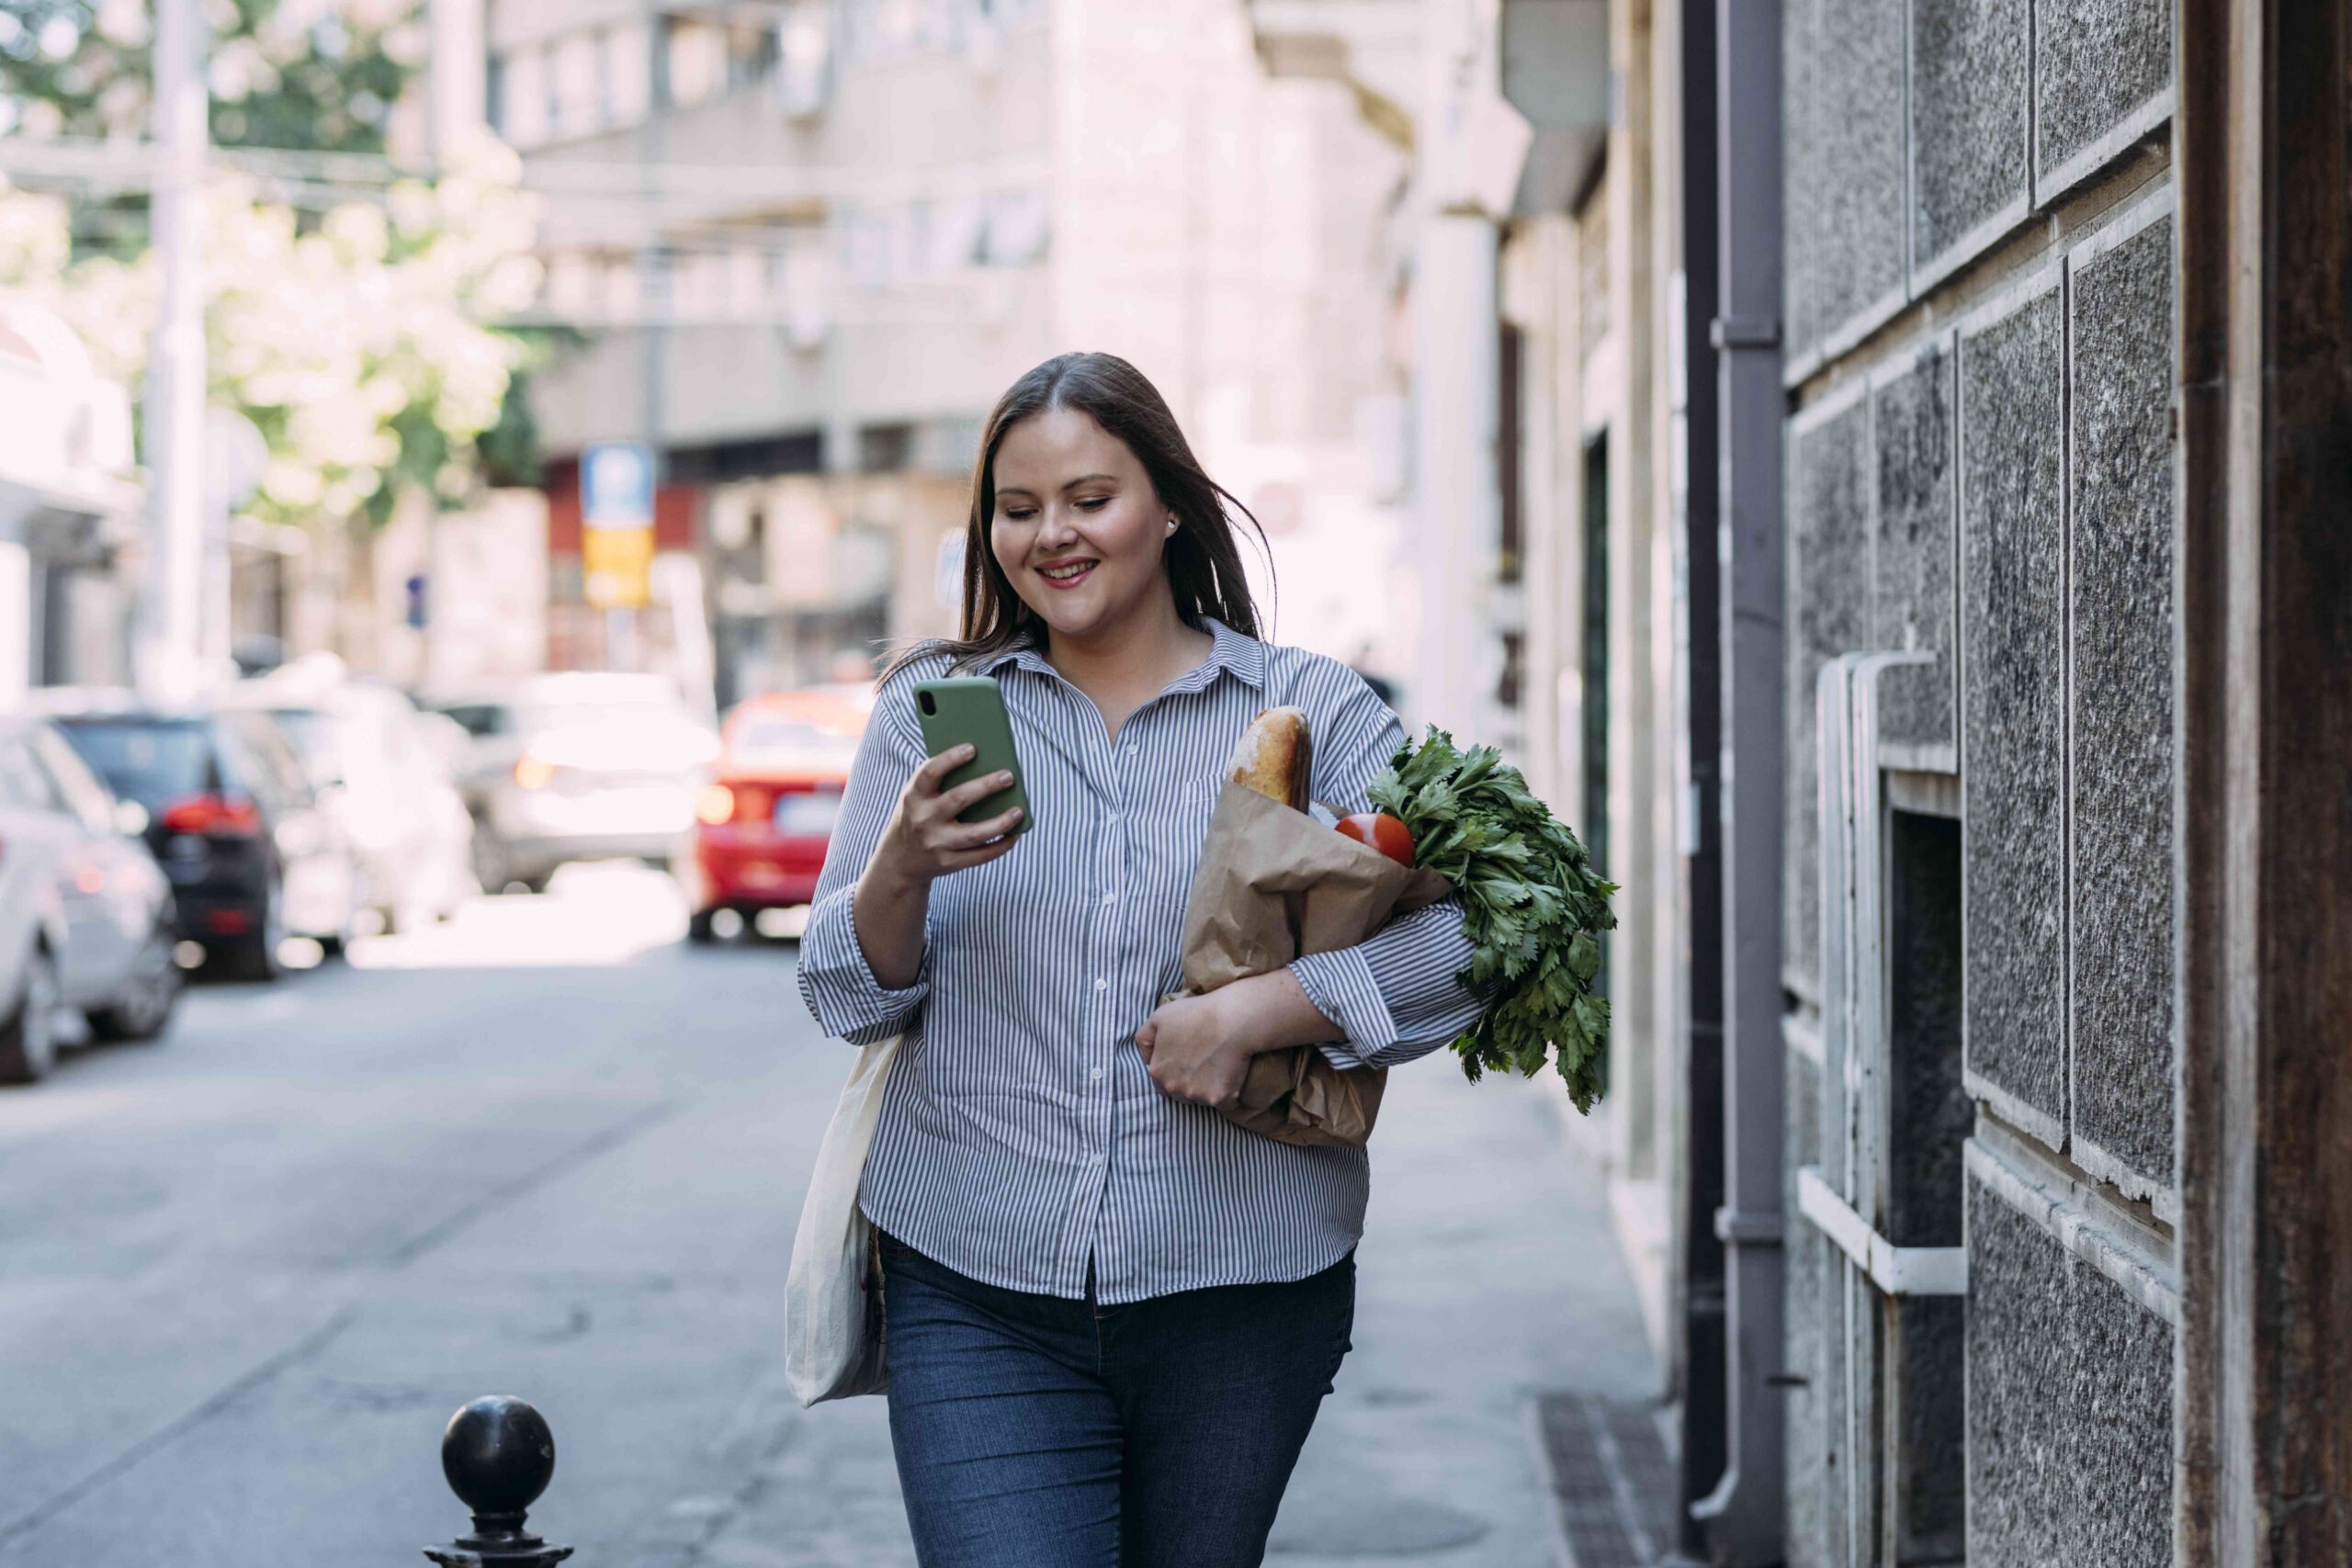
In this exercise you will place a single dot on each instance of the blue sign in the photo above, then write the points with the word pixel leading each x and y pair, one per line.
pixel 617 486
pixel 414 614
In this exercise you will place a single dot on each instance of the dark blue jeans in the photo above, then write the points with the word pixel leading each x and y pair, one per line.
pixel 1038 1432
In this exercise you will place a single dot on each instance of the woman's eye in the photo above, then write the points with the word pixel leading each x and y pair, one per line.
pixel 1095 502
pixel 1021 517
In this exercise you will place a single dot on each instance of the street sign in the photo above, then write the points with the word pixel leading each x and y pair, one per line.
pixel 616 512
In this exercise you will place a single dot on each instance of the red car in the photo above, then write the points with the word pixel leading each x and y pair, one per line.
pixel 763 823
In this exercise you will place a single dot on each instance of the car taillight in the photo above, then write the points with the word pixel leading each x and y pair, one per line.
pixel 216 815
pixel 714 806
pixel 753 805
pixel 533 773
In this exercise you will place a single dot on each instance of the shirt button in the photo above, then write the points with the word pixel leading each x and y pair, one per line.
pixel 1133 747
pixel 1096 1075
pixel 1100 984
pixel 1110 897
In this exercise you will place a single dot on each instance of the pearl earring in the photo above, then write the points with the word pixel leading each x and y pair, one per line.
pixel 1171 524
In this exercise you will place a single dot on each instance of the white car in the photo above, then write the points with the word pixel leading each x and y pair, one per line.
pixel 85 914
pixel 581 766
pixel 381 770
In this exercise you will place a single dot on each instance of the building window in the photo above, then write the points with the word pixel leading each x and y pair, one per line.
pixel 1509 426
pixel 1929 1117
pixel 629 74
pixel 1594 665
pixel 493 93
pixel 885 448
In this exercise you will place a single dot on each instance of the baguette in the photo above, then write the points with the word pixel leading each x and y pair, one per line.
pixel 1275 756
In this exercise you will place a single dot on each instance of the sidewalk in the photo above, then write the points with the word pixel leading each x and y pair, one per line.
pixel 1488 1282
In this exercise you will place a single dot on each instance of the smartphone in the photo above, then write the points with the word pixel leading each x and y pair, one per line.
pixel 969 710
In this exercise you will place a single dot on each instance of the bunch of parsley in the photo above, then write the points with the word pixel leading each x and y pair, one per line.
pixel 1533 906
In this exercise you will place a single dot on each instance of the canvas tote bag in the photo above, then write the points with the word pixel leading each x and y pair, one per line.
pixel 833 1290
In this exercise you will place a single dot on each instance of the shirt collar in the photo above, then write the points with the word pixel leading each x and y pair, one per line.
pixel 1233 652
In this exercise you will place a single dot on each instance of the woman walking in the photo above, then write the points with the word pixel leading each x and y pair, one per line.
pixel 1112 1313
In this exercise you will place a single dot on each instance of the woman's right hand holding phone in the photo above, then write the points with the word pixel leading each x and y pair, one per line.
pixel 924 839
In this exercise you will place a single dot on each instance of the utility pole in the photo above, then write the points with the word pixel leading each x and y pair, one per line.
pixel 170 621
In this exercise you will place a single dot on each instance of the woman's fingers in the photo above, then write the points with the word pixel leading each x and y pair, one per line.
pixel 964 858
pixel 933 774
pixel 970 835
pixel 964 796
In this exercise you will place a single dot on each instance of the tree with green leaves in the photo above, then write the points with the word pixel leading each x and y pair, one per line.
pixel 304 74
pixel 365 345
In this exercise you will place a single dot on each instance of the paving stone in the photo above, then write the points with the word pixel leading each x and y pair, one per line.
pixel 2069 1406
pixel 1915 562
pixel 1968 118
pixel 2122 581
pixel 2012 631
pixel 1828 589
pixel 1842 107
pixel 2095 62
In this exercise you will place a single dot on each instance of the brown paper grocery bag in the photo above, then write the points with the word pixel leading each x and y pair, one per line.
pixel 1273 883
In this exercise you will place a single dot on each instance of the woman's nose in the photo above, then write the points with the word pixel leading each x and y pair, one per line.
pixel 1054 529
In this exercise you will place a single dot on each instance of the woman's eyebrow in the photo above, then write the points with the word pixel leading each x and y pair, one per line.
pixel 1081 479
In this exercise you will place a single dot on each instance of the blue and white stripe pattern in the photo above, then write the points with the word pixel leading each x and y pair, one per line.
pixel 1021 1134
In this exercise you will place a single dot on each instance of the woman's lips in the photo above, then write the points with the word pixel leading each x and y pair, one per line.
pixel 1072 580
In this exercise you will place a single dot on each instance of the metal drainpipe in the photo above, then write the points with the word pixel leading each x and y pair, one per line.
pixel 1745 1514
pixel 1700 1452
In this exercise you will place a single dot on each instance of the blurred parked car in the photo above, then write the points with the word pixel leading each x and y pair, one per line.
pixel 579 766
pixel 231 818
pixel 382 775
pixel 763 822
pixel 85 916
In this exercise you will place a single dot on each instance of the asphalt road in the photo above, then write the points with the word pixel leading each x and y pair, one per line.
pixel 549 1150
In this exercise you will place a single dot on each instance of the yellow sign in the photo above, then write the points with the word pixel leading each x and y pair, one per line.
pixel 615 565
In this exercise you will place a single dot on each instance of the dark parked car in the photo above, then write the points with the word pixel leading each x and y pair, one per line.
pixel 86 918
pixel 232 821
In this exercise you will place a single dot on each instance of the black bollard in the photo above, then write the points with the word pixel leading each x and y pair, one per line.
pixel 498 1455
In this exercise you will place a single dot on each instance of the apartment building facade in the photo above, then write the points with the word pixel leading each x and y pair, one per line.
pixel 801 249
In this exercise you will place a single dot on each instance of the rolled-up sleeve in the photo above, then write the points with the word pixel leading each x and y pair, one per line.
pixel 1396 994
pixel 836 981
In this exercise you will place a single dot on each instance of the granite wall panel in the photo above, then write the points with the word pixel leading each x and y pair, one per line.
pixel 1828 593
pixel 2119 584
pixel 2012 679
pixel 2097 65
pixel 1970 75
pixel 1811 1407
pixel 2069 1406
pixel 1916 559
pixel 1842 107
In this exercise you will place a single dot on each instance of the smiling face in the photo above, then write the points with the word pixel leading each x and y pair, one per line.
pixel 1078 529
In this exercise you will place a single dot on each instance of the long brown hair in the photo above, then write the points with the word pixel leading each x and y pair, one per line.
pixel 1203 557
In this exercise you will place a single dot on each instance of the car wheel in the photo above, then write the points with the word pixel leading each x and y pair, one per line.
pixel 698 930
pixel 142 1008
pixel 28 1039
pixel 256 957
pixel 489 861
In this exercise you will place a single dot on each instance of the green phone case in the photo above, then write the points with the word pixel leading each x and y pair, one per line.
pixel 969 710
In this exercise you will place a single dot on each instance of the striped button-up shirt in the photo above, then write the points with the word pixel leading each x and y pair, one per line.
pixel 1021 1136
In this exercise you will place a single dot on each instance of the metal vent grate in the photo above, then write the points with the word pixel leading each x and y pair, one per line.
pixel 1614 1480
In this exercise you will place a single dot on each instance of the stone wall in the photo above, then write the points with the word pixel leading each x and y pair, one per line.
pixel 1979 337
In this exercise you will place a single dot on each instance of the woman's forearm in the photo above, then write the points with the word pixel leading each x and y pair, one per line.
pixel 888 912
pixel 1269 1011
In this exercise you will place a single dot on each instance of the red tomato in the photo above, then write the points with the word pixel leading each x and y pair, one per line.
pixel 1382 832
